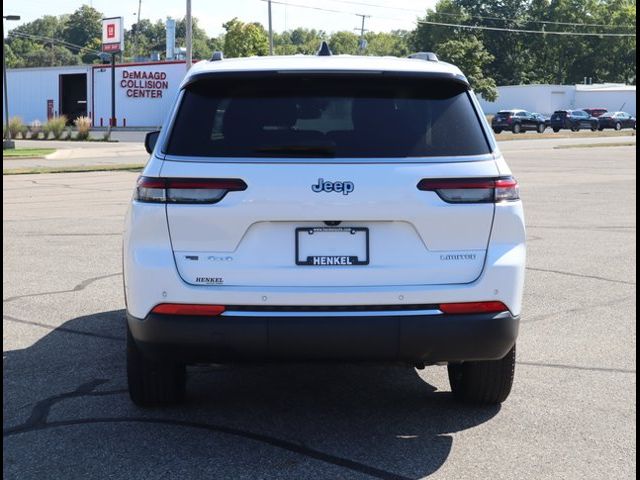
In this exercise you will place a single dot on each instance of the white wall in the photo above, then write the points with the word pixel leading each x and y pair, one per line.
pixel 140 102
pixel 612 100
pixel 30 88
pixel 546 99
pixel 543 99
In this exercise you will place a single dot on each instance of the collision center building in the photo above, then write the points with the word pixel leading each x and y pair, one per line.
pixel 145 92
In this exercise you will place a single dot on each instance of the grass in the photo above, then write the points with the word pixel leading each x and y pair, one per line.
pixel 27 152
pixel 508 136
pixel 97 168
pixel 596 145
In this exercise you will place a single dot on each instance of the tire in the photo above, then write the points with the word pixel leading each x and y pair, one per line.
pixel 483 382
pixel 497 130
pixel 516 128
pixel 600 129
pixel 151 382
pixel 618 126
pixel 634 126
pixel 594 128
pixel 541 128
pixel 556 130
pixel 575 128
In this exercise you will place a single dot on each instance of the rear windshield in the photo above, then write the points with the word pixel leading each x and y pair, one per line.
pixel 314 116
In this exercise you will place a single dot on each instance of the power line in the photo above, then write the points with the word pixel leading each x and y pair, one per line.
pixel 70 46
pixel 470 27
pixel 483 17
pixel 516 30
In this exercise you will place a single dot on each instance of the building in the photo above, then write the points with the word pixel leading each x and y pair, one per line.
pixel 144 92
pixel 546 99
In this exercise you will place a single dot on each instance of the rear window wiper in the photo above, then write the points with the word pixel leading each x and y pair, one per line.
pixel 298 150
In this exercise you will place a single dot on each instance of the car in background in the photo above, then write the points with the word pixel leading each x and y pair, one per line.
pixel 543 118
pixel 616 120
pixel 517 121
pixel 573 120
pixel 595 112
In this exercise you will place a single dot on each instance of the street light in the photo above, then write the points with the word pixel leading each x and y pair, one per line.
pixel 6 142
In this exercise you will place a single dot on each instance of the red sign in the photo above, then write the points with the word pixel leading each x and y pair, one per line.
pixel 111 47
pixel 49 109
pixel 144 84
pixel 111 30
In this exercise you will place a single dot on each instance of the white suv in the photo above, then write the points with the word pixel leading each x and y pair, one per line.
pixel 324 208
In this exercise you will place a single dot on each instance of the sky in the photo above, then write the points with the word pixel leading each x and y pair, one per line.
pixel 384 15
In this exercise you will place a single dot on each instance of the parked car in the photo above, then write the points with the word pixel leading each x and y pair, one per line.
pixel 517 121
pixel 573 120
pixel 595 112
pixel 543 118
pixel 616 120
pixel 326 213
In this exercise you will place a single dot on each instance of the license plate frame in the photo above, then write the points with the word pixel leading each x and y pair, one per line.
pixel 338 260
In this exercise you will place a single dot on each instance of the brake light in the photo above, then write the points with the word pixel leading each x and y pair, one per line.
pixel 472 190
pixel 473 307
pixel 188 309
pixel 186 190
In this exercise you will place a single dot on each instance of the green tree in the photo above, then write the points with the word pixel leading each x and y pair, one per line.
pixel 472 58
pixel 83 26
pixel 394 43
pixel 344 43
pixel 245 39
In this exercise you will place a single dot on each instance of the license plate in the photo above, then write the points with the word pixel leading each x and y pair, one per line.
pixel 332 246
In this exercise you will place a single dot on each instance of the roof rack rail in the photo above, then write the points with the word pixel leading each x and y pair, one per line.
pixel 428 56
pixel 324 50
pixel 217 56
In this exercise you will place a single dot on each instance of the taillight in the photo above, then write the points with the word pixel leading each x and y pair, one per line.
pixel 185 190
pixel 509 120
pixel 188 309
pixel 472 190
pixel 472 307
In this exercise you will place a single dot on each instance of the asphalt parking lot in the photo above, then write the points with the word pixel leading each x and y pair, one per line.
pixel 571 415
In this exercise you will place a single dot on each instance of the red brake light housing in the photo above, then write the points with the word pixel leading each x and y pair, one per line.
pixel 188 309
pixel 473 307
pixel 472 190
pixel 186 190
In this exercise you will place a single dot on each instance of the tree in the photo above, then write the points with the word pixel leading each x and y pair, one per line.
pixel 344 43
pixel 394 43
pixel 245 39
pixel 472 58
pixel 83 26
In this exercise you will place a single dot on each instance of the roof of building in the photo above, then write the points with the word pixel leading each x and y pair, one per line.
pixel 333 63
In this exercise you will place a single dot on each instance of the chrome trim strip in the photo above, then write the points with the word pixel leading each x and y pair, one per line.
pixel 372 313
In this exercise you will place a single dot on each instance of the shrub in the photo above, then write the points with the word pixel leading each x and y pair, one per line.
pixel 24 132
pixel 35 129
pixel 69 135
pixel 46 130
pixel 57 126
pixel 15 126
pixel 83 127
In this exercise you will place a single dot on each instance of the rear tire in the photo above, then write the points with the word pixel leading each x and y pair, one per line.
pixel 516 128
pixel 497 130
pixel 153 382
pixel 541 128
pixel 483 382
pixel 575 128
pixel 594 128
pixel 556 130
pixel 618 126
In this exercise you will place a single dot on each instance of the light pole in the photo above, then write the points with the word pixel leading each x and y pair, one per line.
pixel 187 35
pixel 6 142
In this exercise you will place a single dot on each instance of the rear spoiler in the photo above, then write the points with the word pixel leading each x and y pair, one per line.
pixel 197 77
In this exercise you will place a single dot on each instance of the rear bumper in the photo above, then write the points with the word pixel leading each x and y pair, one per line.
pixel 407 338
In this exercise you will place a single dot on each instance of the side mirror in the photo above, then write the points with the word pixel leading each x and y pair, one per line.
pixel 150 140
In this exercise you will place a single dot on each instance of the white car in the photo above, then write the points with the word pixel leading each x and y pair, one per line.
pixel 324 208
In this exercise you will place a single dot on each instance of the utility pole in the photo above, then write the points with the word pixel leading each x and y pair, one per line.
pixel 7 142
pixel 188 33
pixel 363 44
pixel 270 30
pixel 138 26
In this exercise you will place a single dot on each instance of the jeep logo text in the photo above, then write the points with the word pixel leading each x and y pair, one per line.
pixel 341 187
